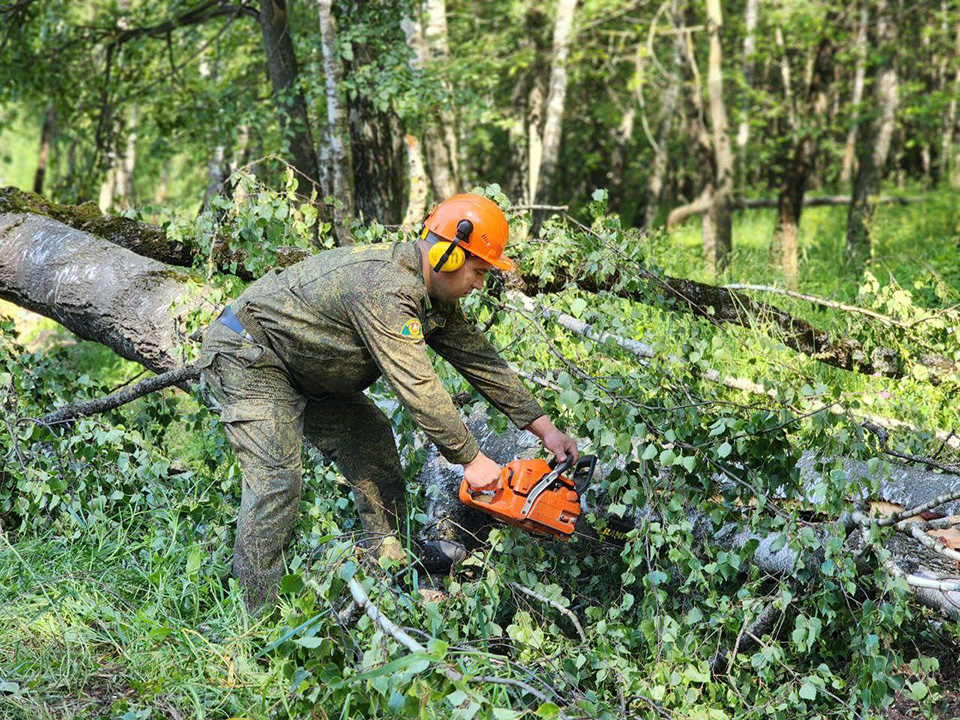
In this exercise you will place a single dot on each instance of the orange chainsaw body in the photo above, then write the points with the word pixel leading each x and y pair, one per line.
pixel 529 499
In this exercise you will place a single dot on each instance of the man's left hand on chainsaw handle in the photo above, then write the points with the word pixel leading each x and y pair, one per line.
pixel 554 441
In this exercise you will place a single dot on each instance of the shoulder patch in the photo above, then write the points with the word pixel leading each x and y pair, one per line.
pixel 412 329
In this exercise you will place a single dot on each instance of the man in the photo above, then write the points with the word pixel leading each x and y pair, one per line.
pixel 293 354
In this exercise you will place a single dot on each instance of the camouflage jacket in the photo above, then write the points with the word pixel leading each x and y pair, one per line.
pixel 340 319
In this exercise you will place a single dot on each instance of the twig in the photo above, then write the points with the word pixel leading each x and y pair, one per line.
pixel 927 541
pixel 361 598
pixel 66 415
pixel 948 469
pixel 524 208
pixel 885 319
pixel 542 598
pixel 919 509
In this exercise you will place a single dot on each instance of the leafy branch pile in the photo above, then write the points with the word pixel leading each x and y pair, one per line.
pixel 680 624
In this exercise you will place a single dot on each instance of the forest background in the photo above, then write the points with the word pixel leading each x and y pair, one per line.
pixel 737 230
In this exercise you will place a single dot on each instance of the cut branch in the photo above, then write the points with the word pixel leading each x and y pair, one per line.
pixel 181 377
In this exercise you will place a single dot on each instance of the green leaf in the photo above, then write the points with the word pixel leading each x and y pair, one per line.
pixel 568 398
pixel 578 306
pixel 348 570
pixel 667 457
pixel 808 691
pixel 724 450
pixel 649 453
pixel 505 714
pixel 918 690
pixel 415 662
pixel 547 711
pixel 309 642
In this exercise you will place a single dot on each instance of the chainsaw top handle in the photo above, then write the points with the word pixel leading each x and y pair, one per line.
pixel 579 477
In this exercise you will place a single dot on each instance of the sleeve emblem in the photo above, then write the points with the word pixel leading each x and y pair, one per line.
pixel 412 329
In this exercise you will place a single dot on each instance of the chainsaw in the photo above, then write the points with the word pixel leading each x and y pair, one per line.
pixel 535 495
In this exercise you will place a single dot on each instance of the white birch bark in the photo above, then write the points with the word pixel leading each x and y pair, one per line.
pixel 721 212
pixel 416 184
pixel 542 180
pixel 438 152
pixel 749 48
pixel 338 130
pixel 859 79
pixel 873 148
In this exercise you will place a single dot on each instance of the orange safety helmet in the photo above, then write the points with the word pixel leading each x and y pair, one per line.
pixel 470 222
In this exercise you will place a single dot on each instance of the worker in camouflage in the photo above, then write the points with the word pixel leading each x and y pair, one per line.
pixel 291 357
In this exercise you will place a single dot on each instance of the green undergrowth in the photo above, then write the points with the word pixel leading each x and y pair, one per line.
pixel 115 594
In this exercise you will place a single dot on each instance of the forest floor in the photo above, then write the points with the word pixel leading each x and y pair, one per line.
pixel 120 621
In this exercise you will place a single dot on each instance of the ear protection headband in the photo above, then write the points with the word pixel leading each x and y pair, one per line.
pixel 447 256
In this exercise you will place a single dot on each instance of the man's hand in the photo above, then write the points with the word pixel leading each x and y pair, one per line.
pixel 554 441
pixel 482 473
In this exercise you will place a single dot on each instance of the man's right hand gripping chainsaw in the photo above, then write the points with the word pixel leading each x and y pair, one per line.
pixel 538 497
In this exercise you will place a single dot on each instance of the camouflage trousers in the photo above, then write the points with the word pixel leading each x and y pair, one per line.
pixel 266 420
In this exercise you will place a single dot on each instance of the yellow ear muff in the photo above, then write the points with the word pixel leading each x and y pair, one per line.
pixel 456 260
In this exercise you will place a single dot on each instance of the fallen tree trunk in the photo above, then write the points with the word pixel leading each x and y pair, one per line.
pixel 453 522
pixel 713 303
pixel 719 305
pixel 136 306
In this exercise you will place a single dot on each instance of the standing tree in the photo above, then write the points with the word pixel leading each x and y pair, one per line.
pixel 801 156
pixel 338 129
pixel 873 146
pixel 542 177
pixel 717 249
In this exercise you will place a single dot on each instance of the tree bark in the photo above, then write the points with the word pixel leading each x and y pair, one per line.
pixel 749 48
pixel 721 212
pixel 793 186
pixel 714 304
pixel 417 185
pixel 873 147
pixel 440 144
pixel 284 77
pixel 338 129
pixel 668 110
pixel 949 157
pixel 543 180
pixel 46 136
pixel 134 305
pixel 376 135
pixel 859 79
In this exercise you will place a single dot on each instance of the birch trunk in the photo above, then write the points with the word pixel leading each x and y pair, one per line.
pixel 338 129
pixel 416 185
pixel 873 148
pixel 859 79
pixel 721 212
pixel 440 138
pixel 749 48
pixel 668 111
pixel 439 145
pixel 949 159
pixel 543 180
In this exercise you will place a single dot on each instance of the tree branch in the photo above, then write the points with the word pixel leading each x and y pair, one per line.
pixel 68 414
